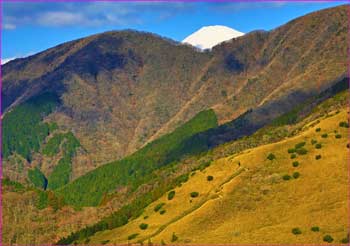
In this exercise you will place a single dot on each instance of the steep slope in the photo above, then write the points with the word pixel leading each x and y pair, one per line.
pixel 289 125
pixel 126 89
pixel 258 195
pixel 117 87
pixel 136 169
pixel 209 36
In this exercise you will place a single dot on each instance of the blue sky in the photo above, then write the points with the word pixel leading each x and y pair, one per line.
pixel 29 27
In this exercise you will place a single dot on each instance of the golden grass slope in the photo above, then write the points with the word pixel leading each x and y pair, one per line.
pixel 250 202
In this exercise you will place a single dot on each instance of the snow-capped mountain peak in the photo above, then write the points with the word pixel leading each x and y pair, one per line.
pixel 209 36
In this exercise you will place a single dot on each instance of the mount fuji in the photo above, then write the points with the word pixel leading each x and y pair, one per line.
pixel 209 36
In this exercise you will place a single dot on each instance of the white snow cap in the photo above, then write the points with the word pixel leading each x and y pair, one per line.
pixel 209 36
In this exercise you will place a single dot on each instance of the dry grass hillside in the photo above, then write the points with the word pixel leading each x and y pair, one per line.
pixel 253 199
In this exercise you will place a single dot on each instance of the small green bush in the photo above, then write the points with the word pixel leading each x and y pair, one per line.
pixel 301 151
pixel 344 124
pixel 162 211
pixel 293 156
pixel 173 237
pixel 146 217
pixel 143 226
pixel 104 241
pixel 286 177
pixel 328 239
pixel 313 141
pixel 325 135
pixel 271 157
pixel 317 157
pixel 171 195
pixel 315 228
pixel 158 206
pixel 210 178
pixel 296 175
pixel 338 136
pixel 318 146
pixel 194 194
pixel 132 236
pixel 290 151
pixel 318 129
pixel 296 231
pixel 345 240
pixel 299 145
pixel 295 163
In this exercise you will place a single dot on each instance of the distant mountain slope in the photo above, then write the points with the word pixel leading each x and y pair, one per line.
pixel 209 36
pixel 122 90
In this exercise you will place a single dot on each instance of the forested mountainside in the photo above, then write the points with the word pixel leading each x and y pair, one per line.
pixel 98 131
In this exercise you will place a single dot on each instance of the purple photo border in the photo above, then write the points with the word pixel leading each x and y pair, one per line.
pixel 213 1
pixel 1 177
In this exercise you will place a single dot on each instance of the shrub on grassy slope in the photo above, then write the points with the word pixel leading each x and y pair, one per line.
pixel 315 228
pixel 286 177
pixel 296 231
pixel 296 175
pixel 174 237
pixel 328 238
pixel 210 178
pixel 132 236
pixel 318 146
pixel 344 124
pixel 158 206
pixel 271 157
pixel 295 163
pixel 299 145
pixel 171 195
pixel 194 194
pixel 143 226
pixel 345 240
pixel 301 151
